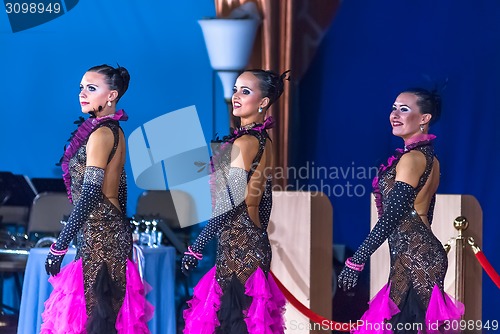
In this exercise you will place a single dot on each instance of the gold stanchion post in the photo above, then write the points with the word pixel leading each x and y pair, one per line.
pixel 461 224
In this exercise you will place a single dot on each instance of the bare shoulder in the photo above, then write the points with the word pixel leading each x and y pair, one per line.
pixel 247 141
pixel 410 168
pixel 412 158
pixel 102 134
pixel 244 150
pixel 99 147
pixel 246 144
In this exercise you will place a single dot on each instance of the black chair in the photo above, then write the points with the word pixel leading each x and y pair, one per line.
pixel 44 222
pixel 48 211
pixel 175 215
pixel 175 218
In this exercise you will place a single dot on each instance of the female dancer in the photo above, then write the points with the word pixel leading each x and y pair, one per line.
pixel 413 300
pixel 238 295
pixel 101 291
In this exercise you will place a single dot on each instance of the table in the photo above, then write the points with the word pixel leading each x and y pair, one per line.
pixel 159 272
pixel 12 264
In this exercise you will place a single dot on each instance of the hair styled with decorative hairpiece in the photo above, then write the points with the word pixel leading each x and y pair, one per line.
pixel 117 78
pixel 428 101
pixel 271 83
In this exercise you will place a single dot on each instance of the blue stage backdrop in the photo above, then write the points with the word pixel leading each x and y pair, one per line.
pixel 372 51
pixel 159 42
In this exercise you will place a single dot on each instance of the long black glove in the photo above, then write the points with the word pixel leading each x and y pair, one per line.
pixel 400 204
pixel 90 196
pixel 226 203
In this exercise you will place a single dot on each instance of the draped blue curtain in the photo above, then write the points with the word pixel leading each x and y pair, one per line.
pixel 373 50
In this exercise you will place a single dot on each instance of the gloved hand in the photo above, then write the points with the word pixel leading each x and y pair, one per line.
pixel 53 264
pixel 348 278
pixel 189 262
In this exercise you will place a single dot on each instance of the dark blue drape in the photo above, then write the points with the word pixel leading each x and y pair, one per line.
pixel 373 50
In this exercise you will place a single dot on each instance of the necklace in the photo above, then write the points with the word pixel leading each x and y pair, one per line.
pixel 248 126
pixel 96 120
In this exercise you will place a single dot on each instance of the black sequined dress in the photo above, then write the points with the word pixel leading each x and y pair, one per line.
pixel 238 295
pixel 109 280
pixel 414 297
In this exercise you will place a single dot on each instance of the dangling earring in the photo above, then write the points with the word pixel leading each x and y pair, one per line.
pixel 260 110
pixel 109 103
pixel 422 128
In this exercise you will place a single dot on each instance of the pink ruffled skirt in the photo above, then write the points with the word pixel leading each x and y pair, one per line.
pixel 263 316
pixel 440 314
pixel 65 309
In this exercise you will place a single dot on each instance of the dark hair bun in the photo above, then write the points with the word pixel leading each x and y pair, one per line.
pixel 117 78
pixel 428 101
pixel 272 84
pixel 123 72
pixel 280 83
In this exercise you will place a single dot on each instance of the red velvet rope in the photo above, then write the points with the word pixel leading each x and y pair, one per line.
pixel 346 327
pixel 324 322
pixel 488 268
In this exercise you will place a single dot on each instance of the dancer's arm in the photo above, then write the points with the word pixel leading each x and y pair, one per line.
pixel 400 203
pixel 226 202
pixel 99 147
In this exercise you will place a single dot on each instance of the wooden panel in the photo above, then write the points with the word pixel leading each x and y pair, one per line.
pixel 301 234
